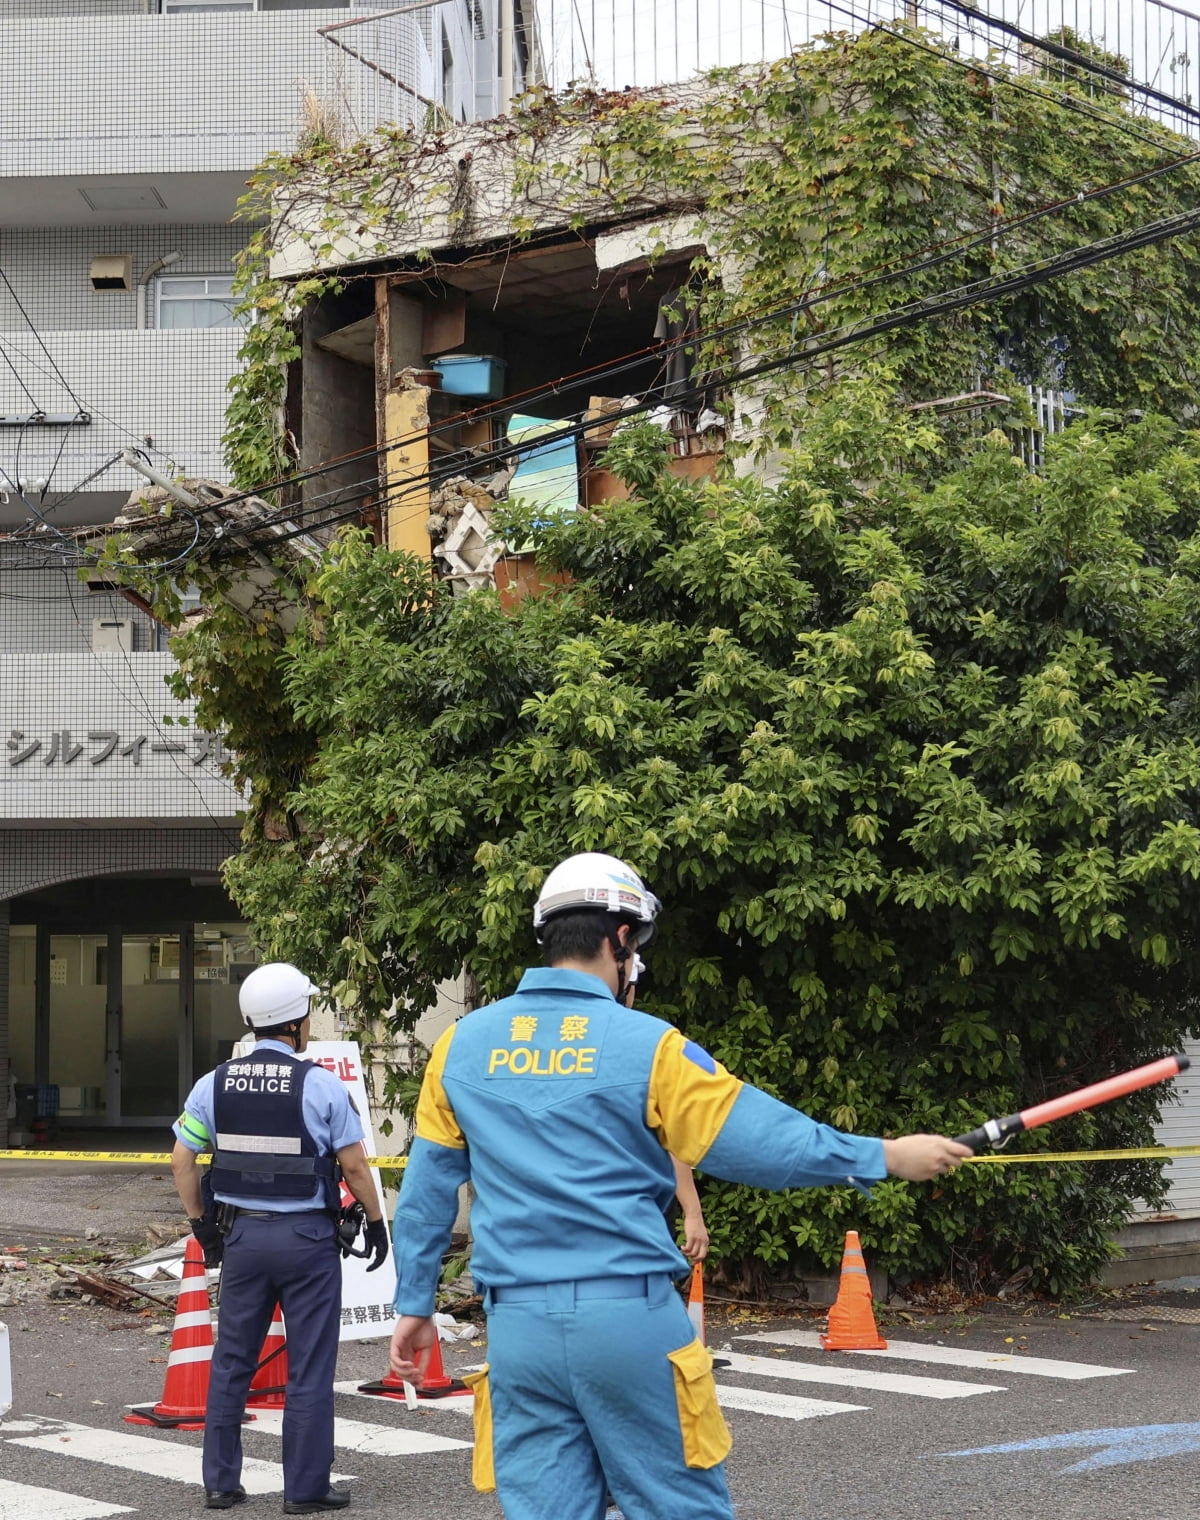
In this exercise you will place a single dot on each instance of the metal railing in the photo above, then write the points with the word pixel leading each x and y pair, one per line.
pixel 1052 413
pixel 1148 50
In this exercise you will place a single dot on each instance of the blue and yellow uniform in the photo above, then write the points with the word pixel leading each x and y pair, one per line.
pixel 561 1107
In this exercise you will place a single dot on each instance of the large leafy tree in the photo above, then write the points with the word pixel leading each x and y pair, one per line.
pixel 908 748
pixel 905 739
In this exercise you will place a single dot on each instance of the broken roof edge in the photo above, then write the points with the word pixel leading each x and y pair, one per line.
pixel 153 527
pixel 401 200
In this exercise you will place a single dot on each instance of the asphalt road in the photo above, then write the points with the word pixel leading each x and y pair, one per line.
pixel 883 1452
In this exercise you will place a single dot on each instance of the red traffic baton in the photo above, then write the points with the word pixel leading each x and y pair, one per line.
pixel 997 1131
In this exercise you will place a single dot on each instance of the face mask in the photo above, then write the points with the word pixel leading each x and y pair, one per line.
pixel 639 965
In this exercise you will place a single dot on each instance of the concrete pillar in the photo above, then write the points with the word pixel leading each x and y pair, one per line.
pixel 41 1006
pixel 5 1073
pixel 406 416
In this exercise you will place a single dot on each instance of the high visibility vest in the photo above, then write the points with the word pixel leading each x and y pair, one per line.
pixel 262 1147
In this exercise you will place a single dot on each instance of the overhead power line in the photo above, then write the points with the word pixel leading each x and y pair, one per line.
pixel 926 308
pixel 933 257
pixel 62 380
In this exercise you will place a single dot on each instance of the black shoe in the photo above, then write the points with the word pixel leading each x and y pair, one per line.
pixel 332 1500
pixel 223 1498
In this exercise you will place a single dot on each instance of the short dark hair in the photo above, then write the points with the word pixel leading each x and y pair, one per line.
pixel 273 1033
pixel 576 936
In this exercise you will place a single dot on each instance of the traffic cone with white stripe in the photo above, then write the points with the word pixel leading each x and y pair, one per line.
pixel 268 1387
pixel 434 1383
pixel 695 1302
pixel 185 1391
pixel 852 1324
pixel 695 1309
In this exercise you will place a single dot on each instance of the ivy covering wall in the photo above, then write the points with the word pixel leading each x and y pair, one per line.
pixel 906 740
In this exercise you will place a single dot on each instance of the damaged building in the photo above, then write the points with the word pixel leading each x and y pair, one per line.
pixel 464 339
pixel 497 310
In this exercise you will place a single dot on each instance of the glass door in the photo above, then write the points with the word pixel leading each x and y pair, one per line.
pixel 225 957
pixel 149 1025
pixel 76 997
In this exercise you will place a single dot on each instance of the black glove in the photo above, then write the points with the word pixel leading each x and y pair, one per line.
pixel 210 1238
pixel 377 1241
pixel 349 1225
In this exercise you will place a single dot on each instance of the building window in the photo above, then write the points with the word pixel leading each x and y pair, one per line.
pixel 193 7
pixel 197 301
pixel 447 72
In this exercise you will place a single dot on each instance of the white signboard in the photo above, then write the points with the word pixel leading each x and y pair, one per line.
pixel 6 1372
pixel 366 1296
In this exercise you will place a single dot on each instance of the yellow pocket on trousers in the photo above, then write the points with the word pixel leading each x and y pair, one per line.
pixel 483 1465
pixel 706 1438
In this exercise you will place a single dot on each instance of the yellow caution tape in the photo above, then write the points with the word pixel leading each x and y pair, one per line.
pixel 1145 1153
pixel 143 1158
pixel 131 1158
pixel 156 1158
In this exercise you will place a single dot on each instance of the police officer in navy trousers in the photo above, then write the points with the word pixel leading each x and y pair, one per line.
pixel 280 1129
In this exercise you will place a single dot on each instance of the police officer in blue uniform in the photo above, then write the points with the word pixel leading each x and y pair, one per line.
pixel 563 1107
pixel 282 1131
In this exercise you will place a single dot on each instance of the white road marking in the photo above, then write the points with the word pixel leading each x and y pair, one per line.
pixel 954 1356
pixel 151 1456
pixel 22 1501
pixel 457 1403
pixel 850 1377
pixel 371 1440
pixel 785 1405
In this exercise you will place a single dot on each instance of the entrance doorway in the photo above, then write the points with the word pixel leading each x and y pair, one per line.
pixel 119 1007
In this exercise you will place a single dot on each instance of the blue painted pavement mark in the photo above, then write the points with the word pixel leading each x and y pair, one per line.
pixel 1112 1447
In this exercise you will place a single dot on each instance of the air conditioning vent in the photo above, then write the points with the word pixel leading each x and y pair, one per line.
pixel 111 271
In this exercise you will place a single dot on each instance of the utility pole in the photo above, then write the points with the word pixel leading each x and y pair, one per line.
pixel 508 48
pixel 910 12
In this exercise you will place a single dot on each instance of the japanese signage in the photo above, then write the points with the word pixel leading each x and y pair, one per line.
pixel 60 747
pixel 82 737
pixel 366 1296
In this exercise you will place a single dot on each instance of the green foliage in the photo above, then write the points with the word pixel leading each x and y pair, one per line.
pixel 834 173
pixel 909 753
pixel 906 740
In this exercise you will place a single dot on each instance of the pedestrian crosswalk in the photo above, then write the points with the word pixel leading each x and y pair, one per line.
pixel 25 1501
pixel 750 1385
pixel 369 1439
pixel 844 1369
pixel 150 1455
pixel 953 1356
pixel 835 1373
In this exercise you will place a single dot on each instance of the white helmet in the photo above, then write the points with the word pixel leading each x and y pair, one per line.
pixel 274 994
pixel 598 881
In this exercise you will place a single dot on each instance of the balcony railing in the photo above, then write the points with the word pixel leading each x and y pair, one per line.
pixel 1153 44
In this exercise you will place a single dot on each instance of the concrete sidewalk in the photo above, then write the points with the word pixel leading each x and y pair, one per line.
pixel 43 1200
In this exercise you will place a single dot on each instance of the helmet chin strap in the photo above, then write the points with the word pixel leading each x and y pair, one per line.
pixel 290 1031
pixel 621 954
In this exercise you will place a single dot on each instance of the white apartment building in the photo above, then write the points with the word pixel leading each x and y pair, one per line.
pixel 128 129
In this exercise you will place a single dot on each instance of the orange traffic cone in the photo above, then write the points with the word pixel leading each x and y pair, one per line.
pixel 434 1383
pixel 185 1391
pixel 852 1319
pixel 695 1303
pixel 695 1309
pixel 269 1384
